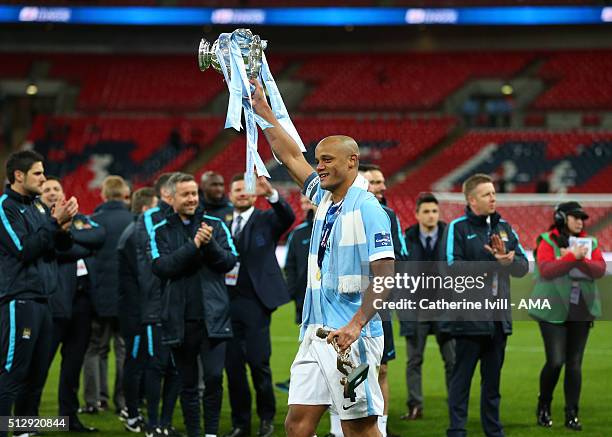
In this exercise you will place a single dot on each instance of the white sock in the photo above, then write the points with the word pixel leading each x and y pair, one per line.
pixel 210 435
pixel 382 425
pixel 335 426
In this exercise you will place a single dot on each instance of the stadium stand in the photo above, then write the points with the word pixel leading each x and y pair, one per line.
pixel 390 143
pixel 398 82
pixel 578 81
pixel 136 146
pixel 571 161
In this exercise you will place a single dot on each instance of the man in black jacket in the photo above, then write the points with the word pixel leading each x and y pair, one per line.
pixel 29 238
pixel 296 262
pixel 257 288
pixel 114 216
pixel 71 305
pixel 191 253
pixel 161 367
pixel 141 347
pixel 481 242
pixel 213 199
pixel 425 243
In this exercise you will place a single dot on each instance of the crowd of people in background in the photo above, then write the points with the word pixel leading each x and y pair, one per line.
pixel 182 279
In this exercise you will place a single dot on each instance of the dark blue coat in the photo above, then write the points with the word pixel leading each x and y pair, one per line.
pixel 257 248
pixel 114 217
pixel 463 243
pixel 29 239
pixel 187 269
pixel 151 286
pixel 86 242
pixel 296 264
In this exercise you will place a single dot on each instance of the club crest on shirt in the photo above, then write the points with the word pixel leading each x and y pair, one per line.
pixel 27 333
pixel 78 224
pixel 40 208
pixel 503 235
pixel 382 239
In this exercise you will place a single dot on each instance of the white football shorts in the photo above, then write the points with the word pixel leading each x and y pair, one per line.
pixel 315 378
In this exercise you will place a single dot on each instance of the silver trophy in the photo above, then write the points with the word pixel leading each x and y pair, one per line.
pixel 353 375
pixel 251 47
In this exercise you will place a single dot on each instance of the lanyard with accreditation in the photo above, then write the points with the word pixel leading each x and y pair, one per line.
pixel 330 217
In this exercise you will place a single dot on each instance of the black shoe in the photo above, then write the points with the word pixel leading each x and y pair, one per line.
pixel 134 424
pixel 170 431
pixel 75 425
pixel 238 432
pixel 103 405
pixel 123 414
pixel 543 414
pixel 571 420
pixel 283 386
pixel 414 413
pixel 266 429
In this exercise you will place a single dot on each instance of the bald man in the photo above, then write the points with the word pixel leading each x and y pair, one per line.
pixel 351 238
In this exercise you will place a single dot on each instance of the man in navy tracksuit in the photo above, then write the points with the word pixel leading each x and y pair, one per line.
pixel 71 305
pixel 29 236
pixel 142 342
pixel 481 235
pixel 161 366
pixel 191 252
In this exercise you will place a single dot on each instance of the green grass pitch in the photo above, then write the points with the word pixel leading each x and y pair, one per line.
pixel 524 359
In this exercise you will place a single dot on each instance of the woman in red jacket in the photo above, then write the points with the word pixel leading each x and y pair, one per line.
pixel 568 262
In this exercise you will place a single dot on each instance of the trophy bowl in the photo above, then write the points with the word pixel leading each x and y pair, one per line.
pixel 251 48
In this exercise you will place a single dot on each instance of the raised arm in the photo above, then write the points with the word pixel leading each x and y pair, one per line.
pixel 283 146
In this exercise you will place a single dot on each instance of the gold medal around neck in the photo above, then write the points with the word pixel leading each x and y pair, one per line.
pixel 318 275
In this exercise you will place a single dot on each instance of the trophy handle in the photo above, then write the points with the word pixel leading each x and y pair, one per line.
pixel 204 55
pixel 323 333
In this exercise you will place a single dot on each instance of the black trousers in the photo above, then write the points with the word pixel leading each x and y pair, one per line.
pixel 73 334
pixel 211 352
pixel 161 368
pixel 250 345
pixel 25 347
pixel 564 344
pixel 489 350
pixel 133 370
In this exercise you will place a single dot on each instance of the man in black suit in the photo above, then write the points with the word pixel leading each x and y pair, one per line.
pixel 256 288
pixel 114 216
pixel 424 243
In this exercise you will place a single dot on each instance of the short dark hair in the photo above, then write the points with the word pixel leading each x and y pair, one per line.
pixel 178 178
pixel 237 177
pixel 53 178
pixel 161 182
pixel 21 161
pixel 142 197
pixel 425 198
pixel 473 181
pixel 209 174
pixel 368 167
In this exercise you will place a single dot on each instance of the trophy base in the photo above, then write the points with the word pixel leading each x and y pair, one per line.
pixel 356 377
